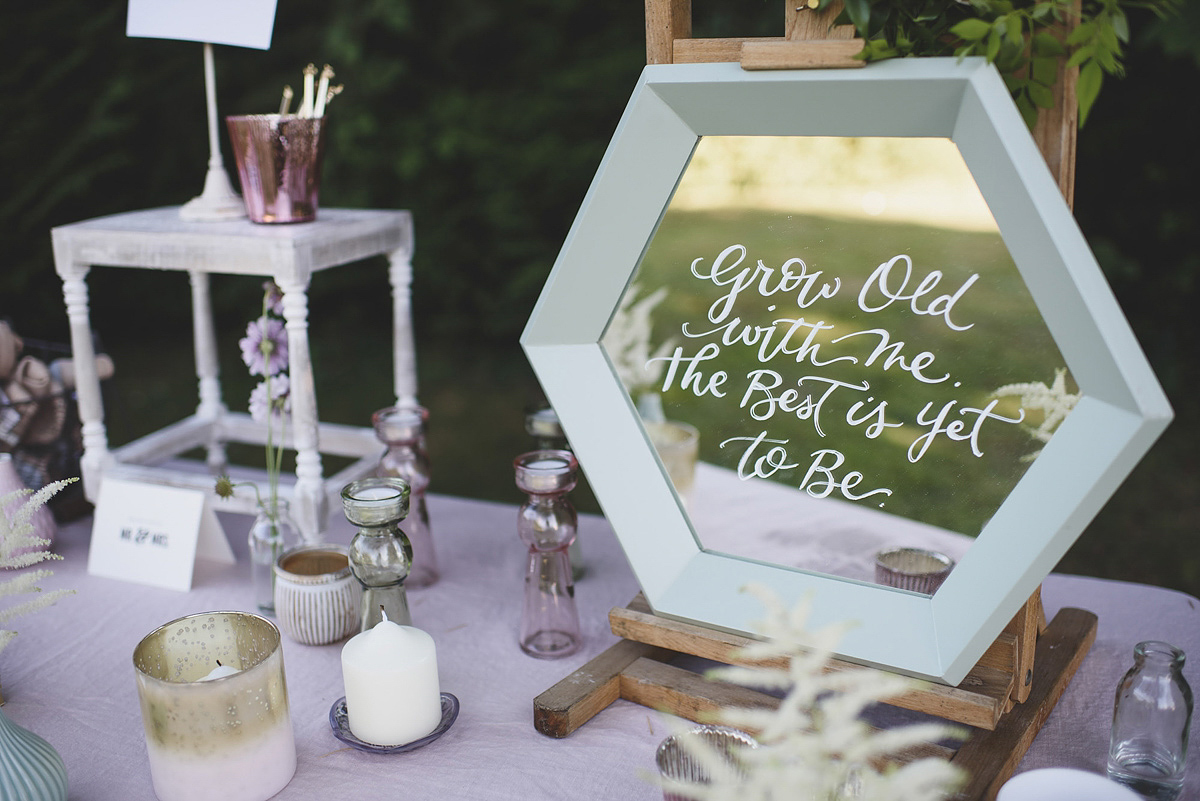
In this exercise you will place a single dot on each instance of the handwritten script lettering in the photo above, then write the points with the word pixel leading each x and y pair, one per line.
pixel 801 360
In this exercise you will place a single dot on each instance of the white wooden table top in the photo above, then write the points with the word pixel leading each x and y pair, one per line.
pixel 159 239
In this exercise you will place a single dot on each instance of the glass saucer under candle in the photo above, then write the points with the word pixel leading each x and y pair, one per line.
pixel 339 722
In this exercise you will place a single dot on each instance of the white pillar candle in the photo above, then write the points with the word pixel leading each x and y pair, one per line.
pixel 392 691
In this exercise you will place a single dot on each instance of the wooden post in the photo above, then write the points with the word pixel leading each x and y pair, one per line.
pixel 1057 127
pixel 666 21
pixel 801 23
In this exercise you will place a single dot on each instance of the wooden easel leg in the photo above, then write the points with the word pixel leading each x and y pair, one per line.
pixel 639 672
pixel 579 697
pixel 1025 627
pixel 685 694
pixel 990 757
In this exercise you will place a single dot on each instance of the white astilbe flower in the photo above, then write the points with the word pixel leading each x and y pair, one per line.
pixel 627 340
pixel 1054 402
pixel 21 547
pixel 815 747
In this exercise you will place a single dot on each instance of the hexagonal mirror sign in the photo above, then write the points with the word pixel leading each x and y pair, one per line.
pixel 807 316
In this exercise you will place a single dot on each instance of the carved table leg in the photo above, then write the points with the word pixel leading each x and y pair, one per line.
pixel 87 382
pixel 403 349
pixel 308 502
pixel 207 366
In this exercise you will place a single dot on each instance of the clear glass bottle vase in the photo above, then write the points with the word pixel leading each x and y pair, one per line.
pixel 1152 714
pixel 272 532
pixel 402 430
pixel 546 523
pixel 380 553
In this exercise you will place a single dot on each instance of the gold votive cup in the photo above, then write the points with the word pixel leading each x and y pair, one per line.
pixel 231 736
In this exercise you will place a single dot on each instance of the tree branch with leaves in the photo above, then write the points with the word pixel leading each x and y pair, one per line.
pixel 1025 39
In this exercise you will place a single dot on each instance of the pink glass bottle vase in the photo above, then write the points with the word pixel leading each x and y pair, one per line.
pixel 402 429
pixel 547 524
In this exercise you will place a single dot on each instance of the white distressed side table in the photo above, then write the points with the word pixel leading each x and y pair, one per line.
pixel 158 239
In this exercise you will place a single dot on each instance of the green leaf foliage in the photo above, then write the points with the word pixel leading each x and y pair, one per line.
pixel 1015 35
pixel 1088 88
pixel 971 30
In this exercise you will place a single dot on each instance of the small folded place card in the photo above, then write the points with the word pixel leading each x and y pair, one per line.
pixel 153 534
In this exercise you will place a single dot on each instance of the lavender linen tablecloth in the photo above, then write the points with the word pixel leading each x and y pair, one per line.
pixel 69 676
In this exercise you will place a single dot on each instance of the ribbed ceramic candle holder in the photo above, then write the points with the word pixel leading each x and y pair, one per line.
pixel 316 595
pixel 913 569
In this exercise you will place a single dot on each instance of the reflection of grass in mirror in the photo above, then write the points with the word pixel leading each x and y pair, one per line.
pixel 948 485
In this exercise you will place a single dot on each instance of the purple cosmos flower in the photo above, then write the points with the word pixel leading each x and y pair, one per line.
pixel 273 297
pixel 281 400
pixel 264 348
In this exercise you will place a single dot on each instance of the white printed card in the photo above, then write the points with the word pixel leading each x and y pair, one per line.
pixel 153 534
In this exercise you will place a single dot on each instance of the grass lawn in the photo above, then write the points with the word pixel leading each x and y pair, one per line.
pixel 854 367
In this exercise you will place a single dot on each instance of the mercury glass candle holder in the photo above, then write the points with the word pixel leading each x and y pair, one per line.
pixel 231 735
pixel 677 761
pixel 380 553
pixel 913 569
pixel 279 164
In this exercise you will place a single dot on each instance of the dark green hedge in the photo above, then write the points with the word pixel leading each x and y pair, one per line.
pixel 488 121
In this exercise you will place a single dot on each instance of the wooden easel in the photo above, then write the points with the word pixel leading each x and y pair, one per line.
pixel 1013 688
pixel 1004 702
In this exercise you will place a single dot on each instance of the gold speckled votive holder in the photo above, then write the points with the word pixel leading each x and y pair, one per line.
pixel 231 735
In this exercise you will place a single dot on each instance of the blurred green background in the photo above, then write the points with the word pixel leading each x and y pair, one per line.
pixel 488 121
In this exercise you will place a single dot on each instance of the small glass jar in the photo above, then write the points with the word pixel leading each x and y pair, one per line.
pixel 1151 718
pixel 402 430
pixel 272 532
pixel 547 522
pixel 543 425
pixel 380 554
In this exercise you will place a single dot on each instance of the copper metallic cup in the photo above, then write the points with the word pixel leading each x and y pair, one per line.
pixel 279 164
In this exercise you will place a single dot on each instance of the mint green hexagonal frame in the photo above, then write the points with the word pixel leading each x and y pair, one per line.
pixel 1121 413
